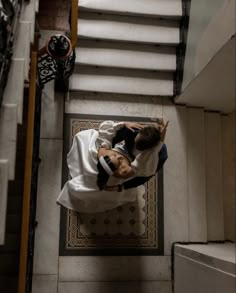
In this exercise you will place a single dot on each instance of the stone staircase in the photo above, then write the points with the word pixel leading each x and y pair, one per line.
pixel 11 111
pixel 127 48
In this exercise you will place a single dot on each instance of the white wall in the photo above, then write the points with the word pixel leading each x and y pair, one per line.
pixel 211 25
pixel 214 87
pixel 209 78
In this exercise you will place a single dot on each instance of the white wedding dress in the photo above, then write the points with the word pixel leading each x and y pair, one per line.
pixel 81 193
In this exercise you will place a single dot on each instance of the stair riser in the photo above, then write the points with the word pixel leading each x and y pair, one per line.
pixel 163 9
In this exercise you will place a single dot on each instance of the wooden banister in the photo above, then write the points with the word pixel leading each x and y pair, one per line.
pixel 74 21
pixel 27 177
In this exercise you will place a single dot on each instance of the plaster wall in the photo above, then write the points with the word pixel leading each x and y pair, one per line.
pixel 209 69
pixel 214 87
pixel 211 25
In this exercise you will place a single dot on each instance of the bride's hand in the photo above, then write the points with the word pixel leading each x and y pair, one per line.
pixel 162 127
pixel 132 125
pixel 112 188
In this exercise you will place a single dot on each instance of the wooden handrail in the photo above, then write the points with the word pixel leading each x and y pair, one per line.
pixel 27 177
pixel 74 21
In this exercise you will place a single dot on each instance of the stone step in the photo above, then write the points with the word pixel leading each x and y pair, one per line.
pixel 158 8
pixel 128 29
pixel 123 55
pixel 214 177
pixel 14 90
pixel 108 287
pixel 36 5
pixel 122 81
pixel 22 45
pixel 8 136
pixel 112 268
pixel 196 178
pixel 28 15
pixel 204 268
pixel 3 198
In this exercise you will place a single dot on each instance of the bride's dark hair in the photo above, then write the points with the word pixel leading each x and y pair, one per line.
pixel 102 176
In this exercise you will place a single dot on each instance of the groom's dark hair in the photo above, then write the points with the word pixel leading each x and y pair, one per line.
pixel 149 137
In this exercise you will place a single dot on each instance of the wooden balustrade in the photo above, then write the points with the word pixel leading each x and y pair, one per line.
pixel 74 21
pixel 27 178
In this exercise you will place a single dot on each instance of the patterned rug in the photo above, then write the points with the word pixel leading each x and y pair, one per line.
pixel 132 229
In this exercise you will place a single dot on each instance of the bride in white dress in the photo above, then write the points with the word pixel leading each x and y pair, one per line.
pixel 81 193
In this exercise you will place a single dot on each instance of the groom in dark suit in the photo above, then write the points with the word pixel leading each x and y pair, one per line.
pixel 138 139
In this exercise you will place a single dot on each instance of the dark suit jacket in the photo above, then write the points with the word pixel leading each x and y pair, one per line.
pixel 129 136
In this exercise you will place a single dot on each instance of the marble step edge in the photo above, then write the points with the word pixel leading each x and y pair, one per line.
pixel 21 49
pixel 3 198
pixel 120 84
pixel 14 91
pixel 218 256
pixel 131 7
pixel 28 15
pixel 37 6
pixel 109 286
pixel 112 268
pixel 8 136
pixel 125 29
pixel 127 58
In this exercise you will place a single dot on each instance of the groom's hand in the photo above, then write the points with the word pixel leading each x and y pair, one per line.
pixel 132 125
pixel 162 127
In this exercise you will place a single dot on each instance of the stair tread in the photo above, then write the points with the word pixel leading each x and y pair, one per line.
pixel 14 91
pixel 22 45
pixel 128 81
pixel 123 28
pixel 218 255
pixel 148 8
pixel 129 56
pixel 28 15
pixel 8 136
